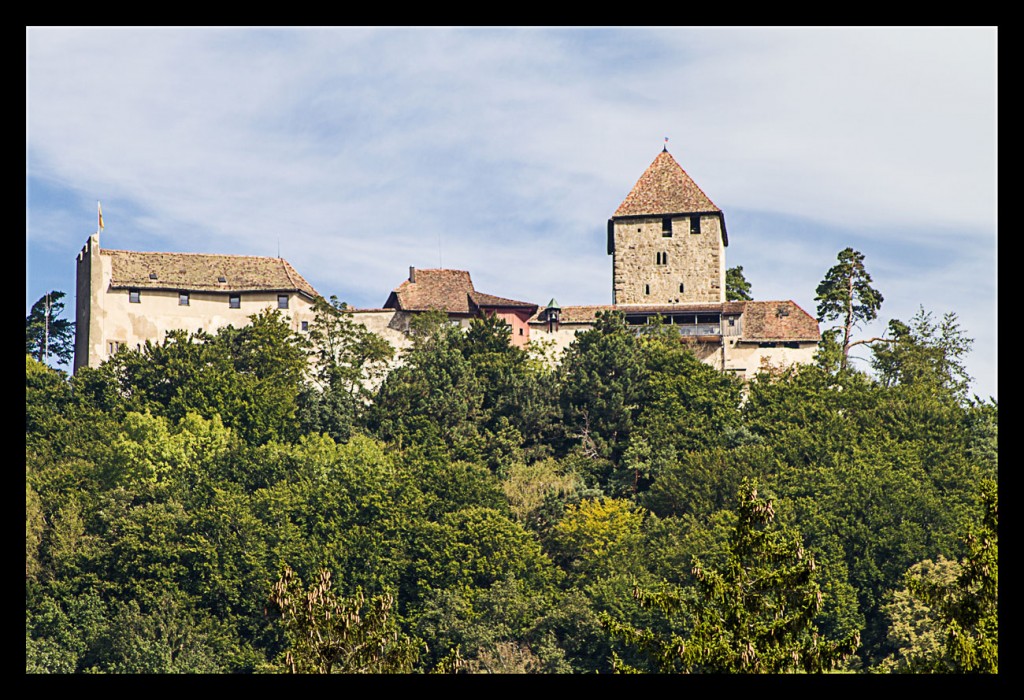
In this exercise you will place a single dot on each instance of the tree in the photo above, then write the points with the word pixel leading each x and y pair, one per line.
pixel 969 607
pixel 736 286
pixel 344 635
pixel 603 384
pixel 348 363
pixel 435 395
pixel 846 294
pixel 924 353
pixel 754 614
pixel 915 632
pixel 46 334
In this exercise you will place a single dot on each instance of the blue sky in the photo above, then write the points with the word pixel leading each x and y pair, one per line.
pixel 504 151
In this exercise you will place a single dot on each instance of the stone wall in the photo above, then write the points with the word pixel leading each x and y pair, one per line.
pixel 649 267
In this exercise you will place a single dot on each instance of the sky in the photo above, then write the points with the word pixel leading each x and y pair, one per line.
pixel 355 153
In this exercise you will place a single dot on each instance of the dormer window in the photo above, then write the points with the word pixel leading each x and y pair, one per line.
pixel 222 279
pixel 152 275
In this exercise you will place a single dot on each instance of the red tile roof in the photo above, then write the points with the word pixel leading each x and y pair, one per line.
pixel 201 272
pixel 665 188
pixel 765 321
pixel 448 290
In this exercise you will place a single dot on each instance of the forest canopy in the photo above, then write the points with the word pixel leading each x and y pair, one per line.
pixel 215 503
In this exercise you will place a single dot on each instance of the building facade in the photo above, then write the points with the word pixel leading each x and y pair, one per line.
pixel 125 298
pixel 667 241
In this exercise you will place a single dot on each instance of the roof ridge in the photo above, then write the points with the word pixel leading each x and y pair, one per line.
pixel 168 252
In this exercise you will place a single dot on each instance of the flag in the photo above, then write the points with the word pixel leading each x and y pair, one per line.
pixel 99 214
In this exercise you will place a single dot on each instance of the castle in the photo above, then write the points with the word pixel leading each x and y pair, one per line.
pixel 667 240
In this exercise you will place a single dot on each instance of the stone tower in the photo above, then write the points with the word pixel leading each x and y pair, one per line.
pixel 667 240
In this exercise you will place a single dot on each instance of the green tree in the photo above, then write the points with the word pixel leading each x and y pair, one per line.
pixel 753 614
pixel 250 376
pixel 46 333
pixel 926 353
pixel 347 364
pixel 846 294
pixel 603 385
pixel 435 395
pixel 736 286
pixel 598 538
pixel 969 607
pixel 915 632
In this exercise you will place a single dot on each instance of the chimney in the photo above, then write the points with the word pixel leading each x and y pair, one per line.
pixel 412 273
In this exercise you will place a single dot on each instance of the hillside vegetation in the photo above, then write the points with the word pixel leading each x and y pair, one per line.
pixel 220 504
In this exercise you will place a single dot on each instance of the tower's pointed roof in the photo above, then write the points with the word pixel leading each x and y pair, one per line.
pixel 665 188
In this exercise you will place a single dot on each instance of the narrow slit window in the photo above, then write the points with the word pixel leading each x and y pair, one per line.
pixel 681 288
pixel 647 289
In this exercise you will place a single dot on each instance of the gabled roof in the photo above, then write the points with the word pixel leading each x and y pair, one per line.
pixel 201 272
pixel 665 188
pixel 448 290
pixel 767 321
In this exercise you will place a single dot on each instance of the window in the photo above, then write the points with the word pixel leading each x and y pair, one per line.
pixel 520 331
pixel 182 298
pixel 666 227
pixel 235 301
pixel 681 289
pixel 134 296
pixel 732 322
pixel 305 325
pixel 282 301
pixel 647 289
pixel 661 258
pixel 695 223
pixel 113 346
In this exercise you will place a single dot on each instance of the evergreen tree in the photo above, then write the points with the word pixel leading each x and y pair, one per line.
pixel 846 294
pixel 753 614
pixel 736 286
pixel 46 334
